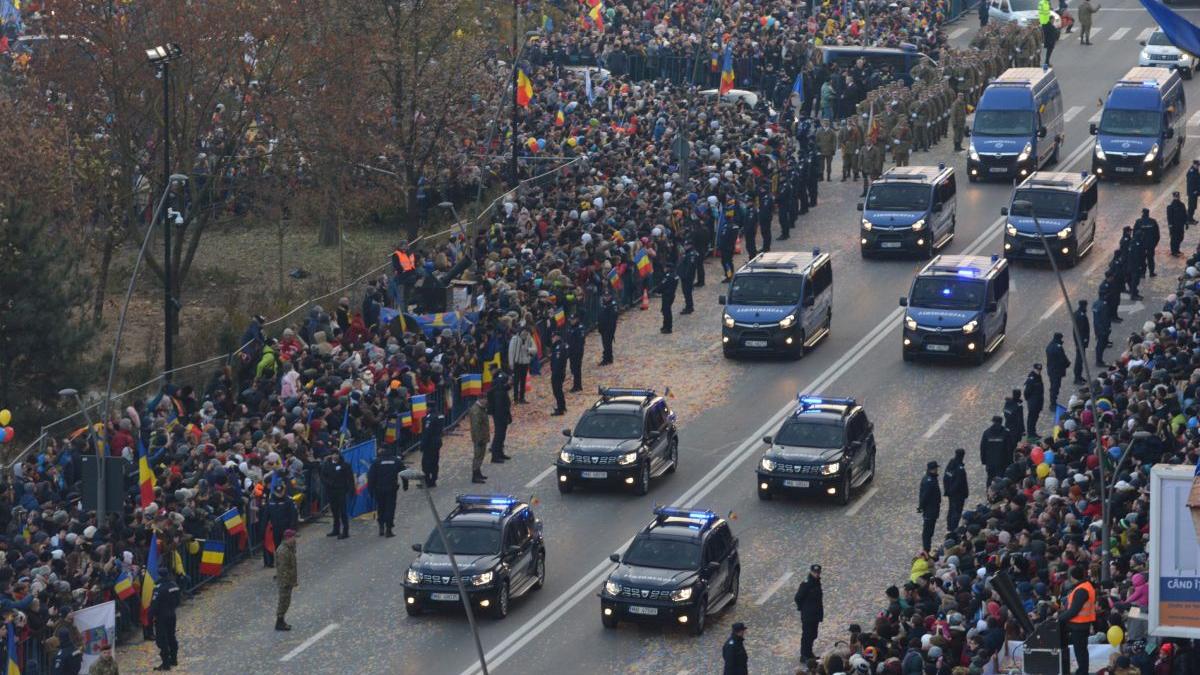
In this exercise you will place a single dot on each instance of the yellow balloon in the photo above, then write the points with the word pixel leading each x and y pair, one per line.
pixel 1043 470
pixel 1115 636
pixel 5 417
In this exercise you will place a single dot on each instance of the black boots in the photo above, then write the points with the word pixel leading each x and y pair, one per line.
pixel 478 477
pixel 280 624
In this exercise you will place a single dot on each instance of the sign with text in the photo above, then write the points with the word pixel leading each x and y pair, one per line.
pixel 1174 554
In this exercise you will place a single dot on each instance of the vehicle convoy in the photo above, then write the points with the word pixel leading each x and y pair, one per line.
pixel 626 438
pixel 826 446
pixel 778 303
pixel 498 547
pixel 957 307
pixel 1018 126
pixel 1143 126
pixel 679 569
pixel 1063 205
pixel 910 209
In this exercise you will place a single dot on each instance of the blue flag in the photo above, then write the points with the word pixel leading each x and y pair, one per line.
pixel 798 87
pixel 360 457
pixel 1181 32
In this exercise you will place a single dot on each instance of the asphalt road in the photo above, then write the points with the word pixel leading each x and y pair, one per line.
pixel 349 613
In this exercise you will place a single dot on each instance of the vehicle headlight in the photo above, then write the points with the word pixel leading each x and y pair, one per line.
pixel 867 225
pixel 413 577
pixel 972 153
pixel 1152 154
pixel 1145 55
pixel 830 469
pixel 970 326
pixel 787 321
pixel 1064 233
pixel 919 225
pixel 1010 229
pixel 628 458
pixel 566 457
pixel 1025 153
pixel 482 579
pixel 612 588
pixel 767 464
pixel 728 321
pixel 1100 152
pixel 910 323
pixel 682 594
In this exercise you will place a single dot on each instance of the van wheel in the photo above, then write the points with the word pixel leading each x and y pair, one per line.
pixel 798 348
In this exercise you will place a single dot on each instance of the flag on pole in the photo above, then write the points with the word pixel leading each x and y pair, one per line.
pixel 145 475
pixel 872 127
pixel 234 524
pixel 149 579
pixel 559 118
pixel 420 407
pixel 491 366
pixel 524 89
pixel 472 384
pixel 392 431
pixel 13 667
pixel 269 539
pixel 212 559
pixel 727 71
pixel 596 13
pixel 560 317
pixel 642 261
pixel 798 91
pixel 614 279
pixel 124 586
pixel 406 420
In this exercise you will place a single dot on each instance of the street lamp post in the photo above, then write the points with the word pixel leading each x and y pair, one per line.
pixel 1093 392
pixel 457 221
pixel 87 419
pixel 161 57
pixel 419 479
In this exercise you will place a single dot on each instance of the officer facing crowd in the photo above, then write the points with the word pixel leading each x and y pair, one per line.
pixel 559 355
pixel 338 480
pixel 163 603
pixel 576 342
pixel 383 480
pixel 431 449
pixel 954 484
pixel 606 325
pixel 1084 333
pixel 929 504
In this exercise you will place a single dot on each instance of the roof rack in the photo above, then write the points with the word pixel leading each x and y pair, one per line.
pixel 607 393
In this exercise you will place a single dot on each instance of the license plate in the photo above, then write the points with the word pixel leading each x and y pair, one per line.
pixel 756 343
pixel 795 483
pixel 998 169
pixel 938 348
pixel 1123 169
pixel 444 597
pixel 889 244
pixel 594 474
pixel 1035 251
pixel 646 611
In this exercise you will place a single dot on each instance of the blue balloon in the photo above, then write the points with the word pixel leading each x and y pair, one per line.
pixel 1049 457
pixel 541 142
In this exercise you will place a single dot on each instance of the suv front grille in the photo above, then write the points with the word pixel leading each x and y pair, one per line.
pixel 644 594
pixel 594 459
pixel 437 579
pixel 797 468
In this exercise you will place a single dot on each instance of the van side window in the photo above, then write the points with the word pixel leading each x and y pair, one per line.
pixel 822 278
pixel 1087 200
pixel 946 190
pixel 1000 285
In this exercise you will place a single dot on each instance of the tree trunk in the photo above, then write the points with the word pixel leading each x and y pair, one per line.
pixel 329 224
pixel 106 256
pixel 412 210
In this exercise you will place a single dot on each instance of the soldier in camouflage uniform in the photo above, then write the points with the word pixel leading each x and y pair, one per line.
pixel 850 141
pixel 958 119
pixel 920 124
pixel 901 144
pixel 826 141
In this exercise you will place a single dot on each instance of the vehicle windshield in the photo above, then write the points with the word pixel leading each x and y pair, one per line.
pixel 1023 5
pixel 1130 122
pixel 893 197
pixel 765 289
pixel 1045 203
pixel 1003 123
pixel 809 434
pixel 946 293
pixel 465 540
pixel 1159 39
pixel 609 425
pixel 672 554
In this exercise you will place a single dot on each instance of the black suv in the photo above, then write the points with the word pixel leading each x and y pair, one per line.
pixel 826 446
pixel 497 543
pixel 680 568
pixel 627 438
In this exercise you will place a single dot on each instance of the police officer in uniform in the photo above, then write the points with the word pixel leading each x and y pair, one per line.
pixel 737 662
pixel 1146 229
pixel 810 602
pixel 667 290
pixel 1176 222
pixel 338 480
pixel 995 449
pixel 576 342
pixel 1084 331
pixel 929 504
pixel 68 659
pixel 1076 619
pixel 500 407
pixel 383 481
pixel 163 603
pixel 765 208
pixel 1056 367
pixel 1014 417
pixel 954 484
pixel 1035 398
pixel 1103 328
pixel 606 325
pixel 558 373
pixel 280 513
pixel 687 272
pixel 786 205
pixel 431 449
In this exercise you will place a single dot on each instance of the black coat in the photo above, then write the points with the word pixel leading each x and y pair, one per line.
pixel 1082 327
pixel 1101 321
pixel 954 480
pixel 1056 360
pixel 1014 418
pixel 499 404
pixel 384 475
pixel 995 447
pixel 606 324
pixel 1193 181
pixel 1176 215
pixel 810 600
pixel 1035 389
pixel 735 657
pixel 337 477
pixel 576 339
pixel 1147 230
pixel 558 359
pixel 929 499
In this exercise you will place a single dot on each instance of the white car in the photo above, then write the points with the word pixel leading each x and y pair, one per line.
pixel 734 96
pixel 1021 11
pixel 1158 52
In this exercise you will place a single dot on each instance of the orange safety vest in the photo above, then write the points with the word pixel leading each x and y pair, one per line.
pixel 406 260
pixel 1088 613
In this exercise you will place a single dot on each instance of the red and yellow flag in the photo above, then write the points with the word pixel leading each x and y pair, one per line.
pixel 524 89
pixel 596 13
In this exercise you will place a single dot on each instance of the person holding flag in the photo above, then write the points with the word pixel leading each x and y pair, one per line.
pixel 727 71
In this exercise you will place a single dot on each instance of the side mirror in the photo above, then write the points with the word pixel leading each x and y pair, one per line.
pixel 903 302
pixel 1093 129
pixel 513 550
pixel 855 445
pixel 720 299
pixel 1170 133
pixel 991 307
pixel 937 208
pixel 1041 132
pixel 712 567
pixel 417 548
pixel 616 557
pixel 1142 43
pixel 567 433
pixel 1004 210
pixel 809 300
pixel 768 439
pixel 859 206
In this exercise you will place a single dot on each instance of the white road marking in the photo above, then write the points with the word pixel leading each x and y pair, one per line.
pixel 1053 308
pixel 1083 149
pixel 1096 31
pixel 861 502
pixel 958 32
pixel 1000 362
pixel 1072 112
pixel 538 478
pixel 309 642
pixel 936 425
pixel 1194 120
pixel 773 588
pixel 1094 119
pixel 1119 33
pixel 1145 34
pixel 585 586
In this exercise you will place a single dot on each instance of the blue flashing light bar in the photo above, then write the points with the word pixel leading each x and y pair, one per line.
pixel 487 500
pixel 625 391
pixel 808 401
pixel 674 512
pixel 968 272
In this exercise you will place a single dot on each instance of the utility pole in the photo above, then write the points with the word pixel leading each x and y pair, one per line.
pixel 168 300
pixel 514 179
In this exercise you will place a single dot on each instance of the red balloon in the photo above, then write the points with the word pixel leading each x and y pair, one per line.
pixel 9 434
pixel 1037 455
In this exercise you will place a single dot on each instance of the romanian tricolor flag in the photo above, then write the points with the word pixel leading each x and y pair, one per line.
pixel 537 340
pixel 524 89
pixel 642 261
pixel 614 279
pixel 392 432
pixel 149 579
pixel 234 524
pixel 491 366
pixel 559 118
pixel 145 475
pixel 596 13
pixel 560 317
pixel 13 667
pixel 419 407
pixel 269 539
pixel 727 71
pixel 405 419
pixel 472 384
pixel 124 586
pixel 212 559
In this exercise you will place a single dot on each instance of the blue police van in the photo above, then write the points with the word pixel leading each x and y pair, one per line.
pixel 778 303
pixel 1064 205
pixel 1143 125
pixel 909 209
pixel 1018 125
pixel 900 59
pixel 957 307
